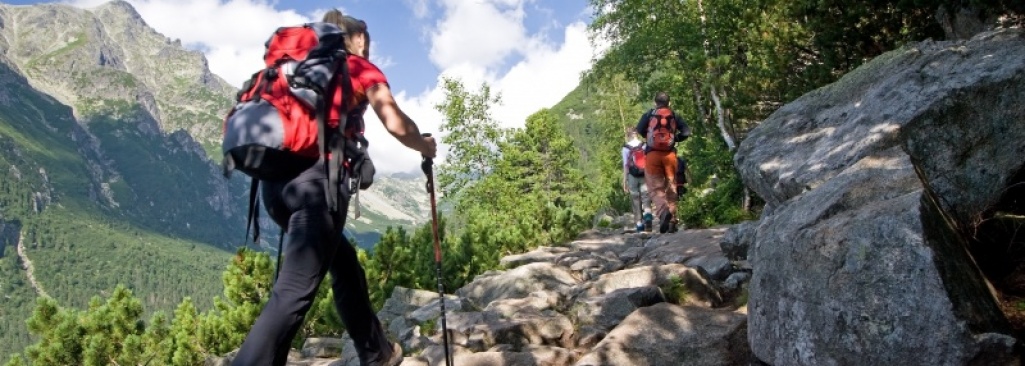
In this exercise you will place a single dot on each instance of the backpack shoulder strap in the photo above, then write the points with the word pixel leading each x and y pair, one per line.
pixel 335 145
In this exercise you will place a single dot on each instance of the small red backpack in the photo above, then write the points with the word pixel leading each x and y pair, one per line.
pixel 635 160
pixel 661 129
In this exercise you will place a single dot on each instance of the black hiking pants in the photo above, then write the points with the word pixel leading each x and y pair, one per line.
pixel 313 246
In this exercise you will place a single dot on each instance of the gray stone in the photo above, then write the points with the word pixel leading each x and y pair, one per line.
pixel 866 180
pixel 736 280
pixel 542 254
pixel 738 239
pixel 322 347
pixel 604 312
pixel 717 267
pixel 666 334
pixel 518 282
pixel 432 310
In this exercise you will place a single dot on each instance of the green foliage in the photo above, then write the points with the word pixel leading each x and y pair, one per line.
pixel 407 260
pixel 428 327
pixel 15 360
pixel 675 290
pixel 111 330
pixel 108 332
pixel 247 285
pixel 471 133
pixel 185 349
pixel 601 111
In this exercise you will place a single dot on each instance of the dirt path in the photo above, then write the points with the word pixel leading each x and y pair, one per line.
pixel 27 265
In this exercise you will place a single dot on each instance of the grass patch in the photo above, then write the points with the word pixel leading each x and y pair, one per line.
pixel 675 291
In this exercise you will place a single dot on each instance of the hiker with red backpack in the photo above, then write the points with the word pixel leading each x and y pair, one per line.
pixel 633 180
pixel 310 157
pixel 662 129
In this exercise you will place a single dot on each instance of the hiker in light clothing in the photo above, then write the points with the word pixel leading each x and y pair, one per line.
pixel 633 181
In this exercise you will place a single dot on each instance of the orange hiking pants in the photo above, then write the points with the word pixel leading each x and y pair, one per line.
pixel 660 177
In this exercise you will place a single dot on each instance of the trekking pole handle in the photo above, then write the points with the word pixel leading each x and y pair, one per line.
pixel 428 163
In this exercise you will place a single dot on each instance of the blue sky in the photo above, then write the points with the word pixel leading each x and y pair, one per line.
pixel 530 51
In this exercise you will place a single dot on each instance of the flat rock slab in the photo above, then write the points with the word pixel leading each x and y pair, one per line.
pixel 666 334
pixel 683 246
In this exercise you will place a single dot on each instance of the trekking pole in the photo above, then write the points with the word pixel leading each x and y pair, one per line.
pixel 428 167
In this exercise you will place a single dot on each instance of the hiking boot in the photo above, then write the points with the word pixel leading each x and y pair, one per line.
pixel 640 227
pixel 674 225
pixel 393 359
pixel 648 222
pixel 664 222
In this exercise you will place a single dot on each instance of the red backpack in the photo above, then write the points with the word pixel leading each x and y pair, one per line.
pixel 280 125
pixel 661 129
pixel 635 160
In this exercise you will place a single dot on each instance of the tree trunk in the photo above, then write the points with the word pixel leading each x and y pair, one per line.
pixel 704 34
pixel 616 84
pixel 700 103
pixel 721 117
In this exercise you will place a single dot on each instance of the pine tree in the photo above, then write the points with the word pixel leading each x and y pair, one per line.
pixel 247 284
pixel 156 341
pixel 15 360
pixel 59 335
pixel 185 349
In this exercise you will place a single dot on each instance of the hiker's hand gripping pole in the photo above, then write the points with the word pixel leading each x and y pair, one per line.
pixel 428 167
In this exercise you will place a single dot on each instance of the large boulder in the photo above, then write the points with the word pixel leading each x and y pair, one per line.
pixel 860 256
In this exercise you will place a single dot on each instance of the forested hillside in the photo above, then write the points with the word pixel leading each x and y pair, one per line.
pixel 79 241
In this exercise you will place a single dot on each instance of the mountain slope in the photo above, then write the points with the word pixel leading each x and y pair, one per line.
pixel 102 185
pixel 78 242
pixel 133 145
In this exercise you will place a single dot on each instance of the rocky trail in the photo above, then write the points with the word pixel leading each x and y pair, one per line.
pixel 26 264
pixel 606 298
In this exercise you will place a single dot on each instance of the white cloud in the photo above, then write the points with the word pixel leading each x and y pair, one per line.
pixel 475 41
pixel 389 155
pixel 544 77
pixel 478 33
pixel 231 33
pixel 419 7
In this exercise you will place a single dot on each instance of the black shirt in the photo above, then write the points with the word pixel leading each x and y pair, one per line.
pixel 682 130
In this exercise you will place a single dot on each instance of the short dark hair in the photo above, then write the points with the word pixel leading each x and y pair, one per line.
pixel 662 99
pixel 349 24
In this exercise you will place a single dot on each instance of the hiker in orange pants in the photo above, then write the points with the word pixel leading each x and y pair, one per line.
pixel 663 129
pixel 660 177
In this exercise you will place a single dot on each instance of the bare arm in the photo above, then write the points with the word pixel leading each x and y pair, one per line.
pixel 398 123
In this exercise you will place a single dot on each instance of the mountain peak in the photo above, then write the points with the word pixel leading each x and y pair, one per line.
pixel 122 6
pixel 122 9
